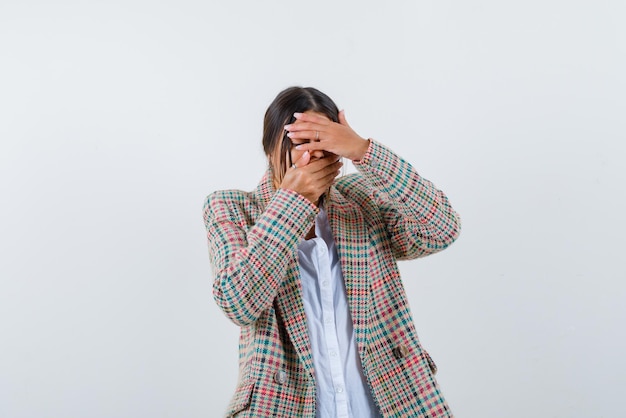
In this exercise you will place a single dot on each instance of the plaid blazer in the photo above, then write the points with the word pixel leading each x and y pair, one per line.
pixel 384 213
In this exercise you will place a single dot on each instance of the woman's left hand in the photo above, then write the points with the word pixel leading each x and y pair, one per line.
pixel 324 134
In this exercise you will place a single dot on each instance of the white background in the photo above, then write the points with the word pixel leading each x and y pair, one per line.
pixel 117 118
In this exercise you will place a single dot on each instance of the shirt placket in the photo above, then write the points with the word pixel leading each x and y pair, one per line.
pixel 330 330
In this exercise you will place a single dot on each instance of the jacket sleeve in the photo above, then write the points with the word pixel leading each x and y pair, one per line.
pixel 418 217
pixel 249 262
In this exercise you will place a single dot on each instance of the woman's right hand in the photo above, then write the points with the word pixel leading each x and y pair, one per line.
pixel 312 178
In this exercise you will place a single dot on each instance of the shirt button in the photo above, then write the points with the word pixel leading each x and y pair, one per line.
pixel 328 320
pixel 339 389
pixel 333 353
pixel 325 283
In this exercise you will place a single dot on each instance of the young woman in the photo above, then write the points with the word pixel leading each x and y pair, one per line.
pixel 306 265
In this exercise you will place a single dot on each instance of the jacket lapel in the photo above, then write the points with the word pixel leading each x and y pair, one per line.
pixel 351 237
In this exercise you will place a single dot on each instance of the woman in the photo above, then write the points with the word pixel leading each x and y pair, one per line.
pixel 306 266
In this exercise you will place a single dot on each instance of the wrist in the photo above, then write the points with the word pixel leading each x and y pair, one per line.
pixel 361 149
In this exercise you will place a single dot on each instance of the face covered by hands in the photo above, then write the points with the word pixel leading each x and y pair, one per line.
pixel 315 132
pixel 318 144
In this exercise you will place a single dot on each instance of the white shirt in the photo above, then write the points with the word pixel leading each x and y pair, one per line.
pixel 342 390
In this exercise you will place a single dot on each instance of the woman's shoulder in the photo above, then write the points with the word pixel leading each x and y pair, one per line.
pixel 229 203
pixel 229 195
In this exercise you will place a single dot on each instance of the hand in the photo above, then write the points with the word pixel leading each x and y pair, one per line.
pixel 311 178
pixel 324 134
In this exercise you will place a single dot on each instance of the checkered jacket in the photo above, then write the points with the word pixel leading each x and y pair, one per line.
pixel 384 213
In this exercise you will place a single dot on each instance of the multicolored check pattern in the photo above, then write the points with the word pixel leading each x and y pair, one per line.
pixel 384 213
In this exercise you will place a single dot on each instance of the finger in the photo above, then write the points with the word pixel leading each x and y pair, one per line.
pixel 312 135
pixel 333 169
pixel 317 166
pixel 304 126
pixel 312 146
pixel 342 118
pixel 329 178
pixel 324 166
pixel 303 160
pixel 307 117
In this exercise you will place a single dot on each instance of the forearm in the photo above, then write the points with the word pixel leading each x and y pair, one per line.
pixel 424 221
pixel 249 264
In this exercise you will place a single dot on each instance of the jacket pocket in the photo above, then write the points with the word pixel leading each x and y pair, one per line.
pixel 240 400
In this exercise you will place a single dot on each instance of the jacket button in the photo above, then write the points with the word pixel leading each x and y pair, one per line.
pixel 401 352
pixel 280 377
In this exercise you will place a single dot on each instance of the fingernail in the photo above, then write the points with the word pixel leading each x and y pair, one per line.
pixel 287 127
pixel 306 153
pixel 298 146
pixel 289 134
pixel 297 115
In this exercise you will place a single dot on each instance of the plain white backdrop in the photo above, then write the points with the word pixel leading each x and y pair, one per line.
pixel 117 118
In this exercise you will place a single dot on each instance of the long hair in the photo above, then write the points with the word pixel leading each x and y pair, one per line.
pixel 280 113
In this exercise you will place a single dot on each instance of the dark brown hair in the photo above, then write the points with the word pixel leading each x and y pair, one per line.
pixel 280 113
